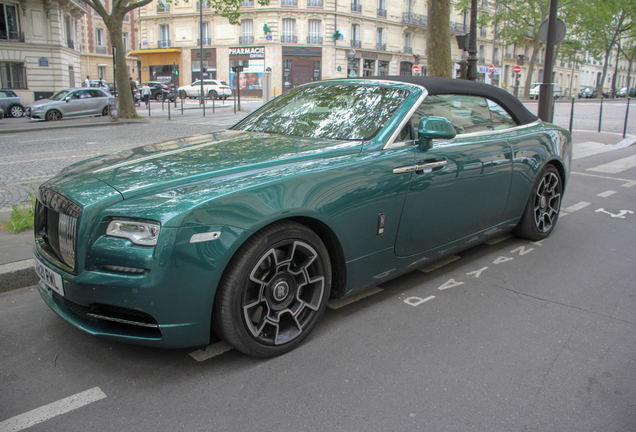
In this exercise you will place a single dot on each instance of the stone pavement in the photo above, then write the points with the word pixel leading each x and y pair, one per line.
pixel 16 262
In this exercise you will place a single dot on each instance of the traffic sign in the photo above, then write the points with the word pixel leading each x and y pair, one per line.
pixel 416 69
pixel 491 68
pixel 517 69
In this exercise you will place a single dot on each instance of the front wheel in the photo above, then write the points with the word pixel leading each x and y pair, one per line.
pixel 16 111
pixel 53 115
pixel 542 209
pixel 159 97
pixel 274 290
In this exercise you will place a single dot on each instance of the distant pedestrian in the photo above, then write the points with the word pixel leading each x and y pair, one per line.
pixel 102 84
pixel 87 81
pixel 145 93
pixel 133 86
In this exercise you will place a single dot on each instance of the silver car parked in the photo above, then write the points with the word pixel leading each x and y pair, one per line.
pixel 11 103
pixel 70 103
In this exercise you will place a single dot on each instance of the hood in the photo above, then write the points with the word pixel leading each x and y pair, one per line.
pixel 42 102
pixel 201 158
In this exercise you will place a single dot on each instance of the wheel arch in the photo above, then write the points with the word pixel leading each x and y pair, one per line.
pixel 558 164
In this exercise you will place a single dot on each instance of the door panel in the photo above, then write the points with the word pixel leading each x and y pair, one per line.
pixel 464 194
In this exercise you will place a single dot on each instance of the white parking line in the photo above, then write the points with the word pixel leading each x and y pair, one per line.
pixel 629 183
pixel 51 410
pixel 210 351
pixel 606 194
pixel 337 304
pixel 573 208
pixel 616 166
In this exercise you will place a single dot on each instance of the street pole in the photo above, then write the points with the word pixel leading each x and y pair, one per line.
pixel 201 50
pixel 546 93
pixel 472 44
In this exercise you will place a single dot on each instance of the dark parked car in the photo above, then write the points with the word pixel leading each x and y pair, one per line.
pixel 77 102
pixel 160 91
pixel 11 103
pixel 330 188
pixel 588 93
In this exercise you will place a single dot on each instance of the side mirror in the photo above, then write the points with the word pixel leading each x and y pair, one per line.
pixel 431 128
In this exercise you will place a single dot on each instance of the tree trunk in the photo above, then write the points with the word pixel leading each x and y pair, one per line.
pixel 533 59
pixel 126 103
pixel 438 35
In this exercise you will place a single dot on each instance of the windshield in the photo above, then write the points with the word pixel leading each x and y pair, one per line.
pixel 534 86
pixel 59 95
pixel 339 112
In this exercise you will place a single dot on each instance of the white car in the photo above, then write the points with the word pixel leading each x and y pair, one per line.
pixel 216 89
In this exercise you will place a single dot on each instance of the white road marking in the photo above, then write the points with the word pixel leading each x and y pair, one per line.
pixel 629 183
pixel 477 273
pixel 616 166
pixel 51 410
pixel 210 351
pixel 337 304
pixel 416 301
pixel 502 260
pixel 606 194
pixel 496 240
pixel 449 284
pixel 439 264
pixel 575 207
pixel 620 215
pixel 45 140
pixel 538 243
pixel 522 250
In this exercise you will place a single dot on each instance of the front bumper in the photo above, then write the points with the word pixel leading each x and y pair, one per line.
pixel 170 306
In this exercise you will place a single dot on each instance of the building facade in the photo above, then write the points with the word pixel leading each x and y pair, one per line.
pixel 39 49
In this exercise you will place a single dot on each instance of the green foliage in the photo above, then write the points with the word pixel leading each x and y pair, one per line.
pixel 21 218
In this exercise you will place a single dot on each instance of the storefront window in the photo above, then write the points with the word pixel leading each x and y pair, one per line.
pixel 383 68
pixel 368 68
pixel 287 65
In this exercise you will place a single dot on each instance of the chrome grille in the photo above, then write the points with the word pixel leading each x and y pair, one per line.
pixel 56 228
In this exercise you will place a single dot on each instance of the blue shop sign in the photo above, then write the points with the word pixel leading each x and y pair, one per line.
pixel 43 61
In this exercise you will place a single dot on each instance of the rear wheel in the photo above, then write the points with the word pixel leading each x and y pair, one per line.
pixel 212 94
pixel 16 111
pixel 542 209
pixel 274 290
pixel 159 97
pixel 53 115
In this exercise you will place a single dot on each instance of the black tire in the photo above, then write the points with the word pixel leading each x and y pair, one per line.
pixel 16 111
pixel 159 97
pixel 544 204
pixel 105 111
pixel 274 290
pixel 53 115
pixel 213 94
pixel 182 94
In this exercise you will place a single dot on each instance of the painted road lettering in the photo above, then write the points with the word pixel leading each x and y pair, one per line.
pixel 477 273
pixel 620 215
pixel 416 301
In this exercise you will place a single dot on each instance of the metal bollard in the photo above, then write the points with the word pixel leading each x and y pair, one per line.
pixel 571 115
pixel 213 102
pixel 168 110
pixel 149 107
pixel 626 117
pixel 181 106
pixel 600 115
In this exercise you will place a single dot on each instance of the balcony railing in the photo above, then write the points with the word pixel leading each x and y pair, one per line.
pixel 289 2
pixel 408 49
pixel 314 3
pixel 356 44
pixel 70 44
pixel 246 39
pixel 414 19
pixel 380 46
pixel 288 39
pixel 206 42
pixel 458 28
pixel 247 3
pixel 163 7
pixel 314 40
pixel 508 55
pixel 356 7
pixel 382 13
pixel 100 49
pixel 483 32
pixel 205 5
pixel 163 44
pixel 13 36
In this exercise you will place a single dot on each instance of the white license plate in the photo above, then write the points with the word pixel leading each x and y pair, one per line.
pixel 50 278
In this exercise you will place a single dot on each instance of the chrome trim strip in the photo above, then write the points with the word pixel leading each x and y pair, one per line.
pixel 424 167
pixel 57 202
pixel 67 226
pixel 122 321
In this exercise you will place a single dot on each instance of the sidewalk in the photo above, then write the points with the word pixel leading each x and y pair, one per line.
pixel 16 262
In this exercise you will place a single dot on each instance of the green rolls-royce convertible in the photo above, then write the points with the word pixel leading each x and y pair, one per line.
pixel 330 188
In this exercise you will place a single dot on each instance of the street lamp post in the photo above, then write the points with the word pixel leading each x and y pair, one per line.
pixel 472 44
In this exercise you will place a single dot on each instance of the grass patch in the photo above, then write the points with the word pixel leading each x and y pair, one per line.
pixel 21 218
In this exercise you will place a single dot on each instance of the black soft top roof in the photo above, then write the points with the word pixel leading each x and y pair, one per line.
pixel 441 86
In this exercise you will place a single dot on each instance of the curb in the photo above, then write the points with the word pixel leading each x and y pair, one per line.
pixel 69 126
pixel 16 275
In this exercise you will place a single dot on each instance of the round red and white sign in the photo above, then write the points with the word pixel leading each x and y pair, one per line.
pixel 491 68
pixel 416 69
pixel 517 69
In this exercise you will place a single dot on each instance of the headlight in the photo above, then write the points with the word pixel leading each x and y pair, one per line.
pixel 141 233
pixel 37 107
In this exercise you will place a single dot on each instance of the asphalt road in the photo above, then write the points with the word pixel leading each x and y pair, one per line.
pixel 510 336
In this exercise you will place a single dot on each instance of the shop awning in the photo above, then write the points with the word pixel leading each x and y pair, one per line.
pixel 154 51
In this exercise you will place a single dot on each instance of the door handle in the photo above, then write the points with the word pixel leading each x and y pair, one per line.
pixel 429 166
